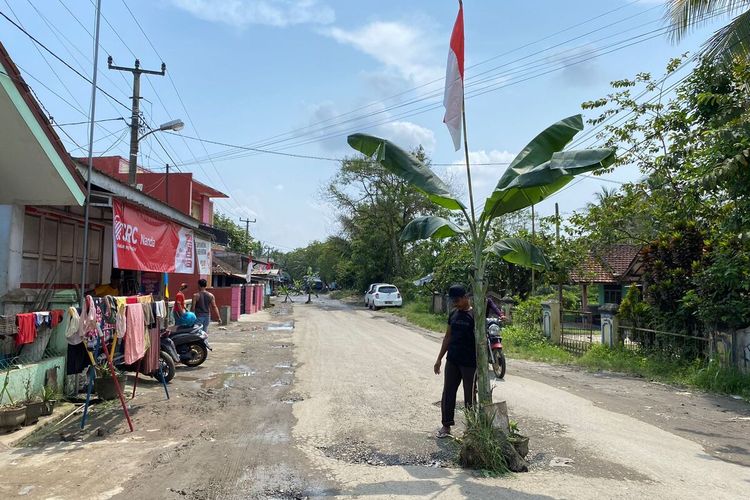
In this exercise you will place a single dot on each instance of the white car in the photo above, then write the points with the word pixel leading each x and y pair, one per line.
pixel 370 292
pixel 385 295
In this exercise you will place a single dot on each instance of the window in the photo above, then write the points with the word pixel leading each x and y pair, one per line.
pixel 612 294
pixel 53 249
pixel 387 289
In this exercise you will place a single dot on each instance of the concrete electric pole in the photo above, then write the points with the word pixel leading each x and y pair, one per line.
pixel 247 227
pixel 135 118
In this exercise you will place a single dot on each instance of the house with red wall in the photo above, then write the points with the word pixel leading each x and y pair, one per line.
pixel 180 191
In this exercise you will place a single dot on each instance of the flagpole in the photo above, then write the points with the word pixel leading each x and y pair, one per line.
pixel 466 153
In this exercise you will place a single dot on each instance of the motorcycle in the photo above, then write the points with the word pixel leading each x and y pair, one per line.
pixel 190 344
pixel 167 359
pixel 495 346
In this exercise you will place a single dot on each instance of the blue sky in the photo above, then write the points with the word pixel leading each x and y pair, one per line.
pixel 279 75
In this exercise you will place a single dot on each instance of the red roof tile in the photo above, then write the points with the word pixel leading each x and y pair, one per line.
pixel 607 265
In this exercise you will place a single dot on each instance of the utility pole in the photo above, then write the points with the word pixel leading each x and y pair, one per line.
pixel 557 243
pixel 166 180
pixel 247 227
pixel 533 241
pixel 135 118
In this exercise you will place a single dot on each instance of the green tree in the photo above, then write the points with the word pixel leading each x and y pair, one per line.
pixel 238 240
pixel 374 205
pixel 729 42
pixel 692 206
pixel 541 169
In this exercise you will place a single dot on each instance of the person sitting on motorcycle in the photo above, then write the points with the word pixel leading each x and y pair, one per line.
pixel 182 316
pixel 461 363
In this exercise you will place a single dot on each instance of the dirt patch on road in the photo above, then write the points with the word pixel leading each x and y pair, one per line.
pixel 224 433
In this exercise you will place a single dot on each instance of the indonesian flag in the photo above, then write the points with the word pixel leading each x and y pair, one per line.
pixel 453 100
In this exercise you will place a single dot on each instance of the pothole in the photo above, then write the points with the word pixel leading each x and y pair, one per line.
pixel 293 398
pixel 227 378
pixel 280 327
pixel 358 452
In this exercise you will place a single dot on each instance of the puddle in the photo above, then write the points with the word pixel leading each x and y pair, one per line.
pixel 239 369
pixel 227 378
pixel 283 365
pixel 281 327
pixel 281 383
pixel 279 346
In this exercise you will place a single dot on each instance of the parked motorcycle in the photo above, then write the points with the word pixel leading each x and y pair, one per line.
pixel 190 343
pixel 167 359
pixel 495 346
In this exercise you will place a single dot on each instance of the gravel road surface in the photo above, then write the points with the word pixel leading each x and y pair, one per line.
pixel 370 412
pixel 329 399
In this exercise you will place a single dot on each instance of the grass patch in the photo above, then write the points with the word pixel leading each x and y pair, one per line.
pixel 482 446
pixel 417 312
pixel 342 294
pixel 709 376
pixel 525 343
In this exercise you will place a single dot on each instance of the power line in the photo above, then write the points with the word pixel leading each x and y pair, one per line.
pixel 70 124
pixel 584 58
pixel 63 61
pixel 263 142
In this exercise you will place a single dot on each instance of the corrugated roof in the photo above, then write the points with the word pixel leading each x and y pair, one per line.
pixel 219 266
pixel 607 265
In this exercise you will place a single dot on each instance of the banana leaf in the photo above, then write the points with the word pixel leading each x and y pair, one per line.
pixel 542 169
pixel 520 252
pixel 430 226
pixel 406 166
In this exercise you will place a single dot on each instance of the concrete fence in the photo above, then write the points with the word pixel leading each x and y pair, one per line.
pixel 731 348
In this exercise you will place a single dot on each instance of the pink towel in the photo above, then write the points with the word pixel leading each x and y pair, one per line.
pixel 135 330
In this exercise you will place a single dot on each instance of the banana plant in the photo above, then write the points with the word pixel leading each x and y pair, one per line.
pixel 538 171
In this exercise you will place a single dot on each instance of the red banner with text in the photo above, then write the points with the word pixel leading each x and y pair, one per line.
pixel 144 243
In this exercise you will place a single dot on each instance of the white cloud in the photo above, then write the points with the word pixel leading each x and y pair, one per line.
pixel 241 13
pixel 328 125
pixel 484 177
pixel 406 48
pixel 408 135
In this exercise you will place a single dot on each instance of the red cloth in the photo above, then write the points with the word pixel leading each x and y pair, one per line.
pixel 131 300
pixel 179 302
pixel 55 317
pixel 26 324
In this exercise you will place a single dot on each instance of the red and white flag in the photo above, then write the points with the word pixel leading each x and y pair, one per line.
pixel 453 100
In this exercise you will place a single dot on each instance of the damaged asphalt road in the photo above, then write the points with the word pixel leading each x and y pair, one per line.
pixel 327 399
pixel 225 432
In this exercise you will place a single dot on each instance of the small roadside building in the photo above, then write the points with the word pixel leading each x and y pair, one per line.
pixel 611 270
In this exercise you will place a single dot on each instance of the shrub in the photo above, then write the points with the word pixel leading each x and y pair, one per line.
pixel 482 446
pixel 528 313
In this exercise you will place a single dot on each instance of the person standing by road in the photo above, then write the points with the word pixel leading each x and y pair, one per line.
pixel 461 363
pixel 203 303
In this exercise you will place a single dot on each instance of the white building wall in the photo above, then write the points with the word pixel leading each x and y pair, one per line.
pixel 11 248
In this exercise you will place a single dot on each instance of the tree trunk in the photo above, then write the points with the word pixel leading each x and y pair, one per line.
pixel 480 336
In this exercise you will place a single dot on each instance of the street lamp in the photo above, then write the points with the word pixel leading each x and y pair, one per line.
pixel 172 125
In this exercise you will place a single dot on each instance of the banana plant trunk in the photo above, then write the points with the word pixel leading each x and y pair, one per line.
pixel 479 289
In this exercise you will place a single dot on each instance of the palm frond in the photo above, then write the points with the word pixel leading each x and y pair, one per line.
pixel 685 15
pixel 731 41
